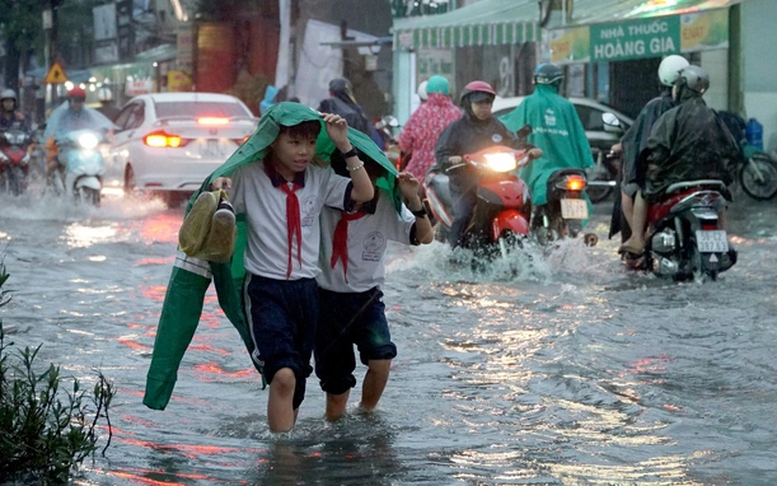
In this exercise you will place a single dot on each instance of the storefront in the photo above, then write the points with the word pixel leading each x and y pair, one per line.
pixel 612 49
pixel 491 40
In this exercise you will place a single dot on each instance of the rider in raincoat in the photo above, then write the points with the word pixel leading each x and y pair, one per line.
pixel 70 116
pixel 191 277
pixel 557 130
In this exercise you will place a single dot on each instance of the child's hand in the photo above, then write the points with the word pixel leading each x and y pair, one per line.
pixel 408 184
pixel 221 183
pixel 337 129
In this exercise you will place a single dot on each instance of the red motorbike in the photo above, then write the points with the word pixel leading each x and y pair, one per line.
pixel 501 216
pixel 14 161
pixel 686 240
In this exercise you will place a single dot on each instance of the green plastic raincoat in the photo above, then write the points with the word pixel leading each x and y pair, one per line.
pixel 191 277
pixel 557 130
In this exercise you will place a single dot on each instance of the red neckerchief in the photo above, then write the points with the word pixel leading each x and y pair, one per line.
pixel 293 222
pixel 340 240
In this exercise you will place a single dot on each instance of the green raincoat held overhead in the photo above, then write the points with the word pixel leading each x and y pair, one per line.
pixel 557 130
pixel 191 277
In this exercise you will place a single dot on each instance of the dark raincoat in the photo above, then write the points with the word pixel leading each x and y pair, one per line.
pixel 468 135
pixel 344 104
pixel 557 130
pixel 191 277
pixel 688 142
pixel 636 139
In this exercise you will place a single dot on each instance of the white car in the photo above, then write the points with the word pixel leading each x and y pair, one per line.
pixel 590 113
pixel 168 143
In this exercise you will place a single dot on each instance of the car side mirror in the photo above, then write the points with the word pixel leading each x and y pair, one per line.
pixel 611 122
pixel 524 132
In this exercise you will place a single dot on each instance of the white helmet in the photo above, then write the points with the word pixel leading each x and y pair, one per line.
pixel 104 94
pixel 422 91
pixel 670 68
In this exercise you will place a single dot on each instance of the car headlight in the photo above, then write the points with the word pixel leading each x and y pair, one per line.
pixel 88 141
pixel 501 161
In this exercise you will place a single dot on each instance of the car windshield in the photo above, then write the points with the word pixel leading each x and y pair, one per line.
pixel 200 109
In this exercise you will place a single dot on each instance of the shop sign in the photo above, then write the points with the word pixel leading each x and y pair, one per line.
pixel 178 81
pixel 635 39
pixel 653 37
pixel 139 87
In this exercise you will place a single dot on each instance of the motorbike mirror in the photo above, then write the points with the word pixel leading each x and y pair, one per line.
pixel 391 121
pixel 525 131
pixel 611 122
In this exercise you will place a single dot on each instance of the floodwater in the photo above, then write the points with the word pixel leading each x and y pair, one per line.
pixel 572 371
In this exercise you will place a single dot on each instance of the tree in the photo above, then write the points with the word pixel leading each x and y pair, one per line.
pixel 22 34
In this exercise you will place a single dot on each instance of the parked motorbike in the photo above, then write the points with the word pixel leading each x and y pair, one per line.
pixel 686 239
pixel 563 214
pixel 604 176
pixel 758 170
pixel 385 127
pixel 501 216
pixel 81 166
pixel 14 161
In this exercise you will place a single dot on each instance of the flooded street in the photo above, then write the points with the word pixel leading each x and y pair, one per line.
pixel 571 372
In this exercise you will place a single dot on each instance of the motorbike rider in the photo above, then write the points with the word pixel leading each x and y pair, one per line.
pixel 10 116
pixel 423 128
pixel 342 102
pixel 635 140
pixel 70 116
pixel 557 129
pixel 688 142
pixel 476 130
pixel 107 105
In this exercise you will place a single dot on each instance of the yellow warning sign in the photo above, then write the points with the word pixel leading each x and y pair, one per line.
pixel 56 74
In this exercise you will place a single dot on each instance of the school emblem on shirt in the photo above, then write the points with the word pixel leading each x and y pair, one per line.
pixel 373 244
pixel 307 211
pixel 496 138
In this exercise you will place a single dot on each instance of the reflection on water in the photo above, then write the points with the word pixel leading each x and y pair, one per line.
pixel 551 366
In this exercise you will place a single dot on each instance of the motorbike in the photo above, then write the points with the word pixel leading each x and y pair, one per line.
pixel 565 210
pixel 500 219
pixel 686 240
pixel 82 165
pixel 603 177
pixel 14 161
pixel 385 127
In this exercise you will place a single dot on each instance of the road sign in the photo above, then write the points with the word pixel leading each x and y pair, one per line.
pixel 56 74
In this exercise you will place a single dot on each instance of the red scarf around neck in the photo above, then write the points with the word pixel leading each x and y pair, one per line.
pixel 340 240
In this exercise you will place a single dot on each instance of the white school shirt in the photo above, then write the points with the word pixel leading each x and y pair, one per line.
pixel 367 240
pixel 264 206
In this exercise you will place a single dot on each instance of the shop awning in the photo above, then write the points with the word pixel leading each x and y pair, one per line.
pixel 488 22
pixel 588 12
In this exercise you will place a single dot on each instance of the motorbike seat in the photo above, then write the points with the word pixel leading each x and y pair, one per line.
pixel 440 184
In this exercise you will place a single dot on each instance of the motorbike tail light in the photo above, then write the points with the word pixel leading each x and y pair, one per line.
pixel 709 226
pixel 575 183
pixel 163 140
pixel 212 120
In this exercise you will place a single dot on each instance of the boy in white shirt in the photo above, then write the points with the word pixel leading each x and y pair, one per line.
pixel 282 196
pixel 353 245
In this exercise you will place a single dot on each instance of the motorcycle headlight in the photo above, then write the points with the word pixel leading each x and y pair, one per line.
pixel 88 141
pixel 501 162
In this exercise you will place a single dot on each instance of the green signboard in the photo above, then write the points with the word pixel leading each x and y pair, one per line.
pixel 635 39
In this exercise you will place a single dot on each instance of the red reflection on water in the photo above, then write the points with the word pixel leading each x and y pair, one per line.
pixel 136 420
pixel 155 261
pixel 214 369
pixel 132 344
pixel 208 347
pixel 155 292
pixel 144 480
pixel 161 227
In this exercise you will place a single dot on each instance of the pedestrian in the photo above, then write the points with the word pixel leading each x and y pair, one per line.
pixel 423 128
pixel 352 272
pixel 280 194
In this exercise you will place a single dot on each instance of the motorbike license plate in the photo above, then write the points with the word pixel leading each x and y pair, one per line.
pixel 574 209
pixel 712 241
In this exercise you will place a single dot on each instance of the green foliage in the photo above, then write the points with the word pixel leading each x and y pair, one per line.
pixel 45 431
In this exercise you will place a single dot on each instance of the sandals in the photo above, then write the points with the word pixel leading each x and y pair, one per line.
pixel 631 250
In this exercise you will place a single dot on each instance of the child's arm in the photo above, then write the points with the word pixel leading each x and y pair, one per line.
pixel 408 184
pixel 337 129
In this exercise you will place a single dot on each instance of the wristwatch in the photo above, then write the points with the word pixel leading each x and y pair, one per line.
pixel 421 213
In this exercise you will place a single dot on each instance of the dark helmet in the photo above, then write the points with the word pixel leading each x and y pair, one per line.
pixel 548 73
pixel 695 78
pixel 477 91
pixel 76 92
